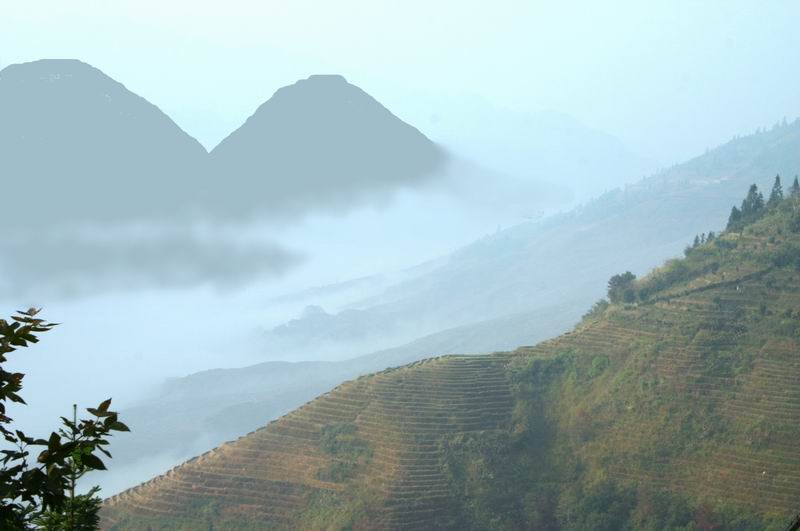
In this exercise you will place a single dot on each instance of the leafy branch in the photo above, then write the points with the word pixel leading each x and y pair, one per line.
pixel 41 493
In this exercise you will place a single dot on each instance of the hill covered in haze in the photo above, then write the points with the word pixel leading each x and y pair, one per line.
pixel 321 142
pixel 115 196
pixel 100 153
pixel 674 410
pixel 94 149
pixel 518 287
pixel 546 146
pixel 563 260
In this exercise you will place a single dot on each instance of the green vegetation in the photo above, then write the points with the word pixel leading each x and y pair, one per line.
pixel 751 211
pixel 351 453
pixel 532 479
pixel 620 288
pixel 673 405
pixel 41 495
pixel 708 253
pixel 331 511
pixel 794 191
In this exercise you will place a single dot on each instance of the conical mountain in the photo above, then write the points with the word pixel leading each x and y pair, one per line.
pixel 97 151
pixel 321 142
pixel 675 410
pixel 77 145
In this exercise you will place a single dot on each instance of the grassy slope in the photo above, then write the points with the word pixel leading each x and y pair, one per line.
pixel 549 271
pixel 678 412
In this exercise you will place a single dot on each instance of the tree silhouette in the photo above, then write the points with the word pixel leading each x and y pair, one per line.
pixel 794 190
pixel 619 286
pixel 753 204
pixel 735 219
pixel 776 195
pixel 752 209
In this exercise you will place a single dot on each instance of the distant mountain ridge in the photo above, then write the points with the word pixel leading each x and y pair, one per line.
pixel 543 145
pixel 591 242
pixel 98 152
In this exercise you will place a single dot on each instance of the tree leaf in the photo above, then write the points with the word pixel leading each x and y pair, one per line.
pixel 104 405
pixel 93 462
pixel 119 426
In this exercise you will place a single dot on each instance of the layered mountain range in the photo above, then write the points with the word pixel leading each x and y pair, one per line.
pixel 96 152
pixel 525 285
pixel 635 227
pixel 674 409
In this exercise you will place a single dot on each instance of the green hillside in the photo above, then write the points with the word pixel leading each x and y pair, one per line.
pixel 674 408
pixel 527 283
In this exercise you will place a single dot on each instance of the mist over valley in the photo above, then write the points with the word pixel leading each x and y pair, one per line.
pixel 510 279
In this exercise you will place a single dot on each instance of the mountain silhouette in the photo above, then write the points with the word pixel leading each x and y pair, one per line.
pixel 82 147
pixel 88 149
pixel 320 142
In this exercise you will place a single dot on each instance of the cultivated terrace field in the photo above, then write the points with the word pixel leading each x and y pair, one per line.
pixel 675 407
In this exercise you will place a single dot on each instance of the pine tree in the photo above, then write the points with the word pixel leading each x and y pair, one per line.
pixel 696 242
pixel 711 236
pixel 794 191
pixel 735 219
pixel 753 204
pixel 776 196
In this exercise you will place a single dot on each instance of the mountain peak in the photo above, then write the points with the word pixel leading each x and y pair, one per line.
pixel 83 135
pixel 358 147
pixel 324 78
pixel 50 67
pixel 320 142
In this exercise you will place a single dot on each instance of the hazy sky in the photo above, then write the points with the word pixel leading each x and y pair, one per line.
pixel 669 78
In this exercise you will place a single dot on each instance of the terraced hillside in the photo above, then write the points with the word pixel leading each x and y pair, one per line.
pixel 677 410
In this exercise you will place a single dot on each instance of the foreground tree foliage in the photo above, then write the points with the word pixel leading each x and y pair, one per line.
pixel 40 494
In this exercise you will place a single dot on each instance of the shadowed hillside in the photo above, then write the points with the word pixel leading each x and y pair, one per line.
pixel 676 409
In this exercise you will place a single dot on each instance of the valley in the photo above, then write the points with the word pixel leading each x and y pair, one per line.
pixel 526 284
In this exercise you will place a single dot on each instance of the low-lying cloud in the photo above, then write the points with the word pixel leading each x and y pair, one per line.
pixel 70 263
